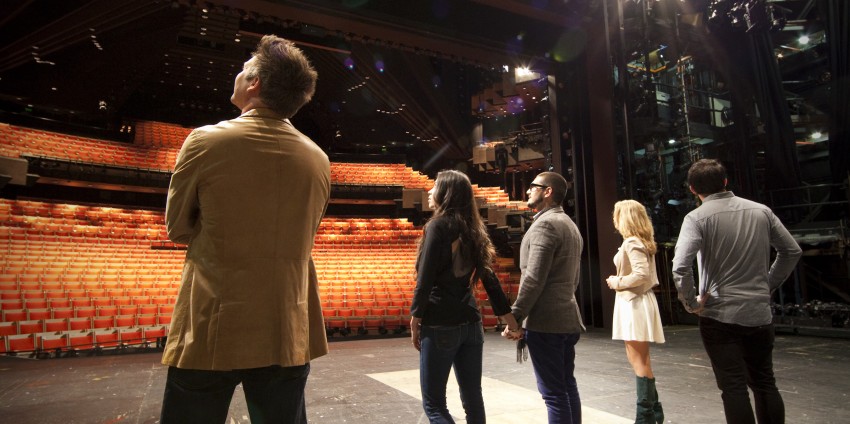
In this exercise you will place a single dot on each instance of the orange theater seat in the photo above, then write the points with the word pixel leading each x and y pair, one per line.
pixel 14 315
pixel 146 320
pixel 30 326
pixel 21 343
pixel 56 324
pixel 62 312
pixel 130 336
pixel 39 313
pixel 151 334
pixel 125 320
pixel 8 328
pixel 106 338
pixel 82 323
pixel 81 340
pixel 103 322
pixel 54 341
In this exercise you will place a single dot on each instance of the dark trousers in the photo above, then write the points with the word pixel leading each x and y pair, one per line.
pixel 742 357
pixel 445 347
pixel 274 395
pixel 553 357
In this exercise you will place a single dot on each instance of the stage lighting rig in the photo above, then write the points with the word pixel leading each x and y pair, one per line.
pixel 746 15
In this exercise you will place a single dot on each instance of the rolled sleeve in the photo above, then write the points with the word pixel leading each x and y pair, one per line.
pixel 687 247
pixel 788 253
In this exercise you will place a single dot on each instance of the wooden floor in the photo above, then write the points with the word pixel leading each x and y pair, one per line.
pixel 376 381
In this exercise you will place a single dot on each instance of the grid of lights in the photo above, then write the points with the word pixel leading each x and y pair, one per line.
pixel 392 112
pixel 38 58
pixel 361 85
pixel 94 40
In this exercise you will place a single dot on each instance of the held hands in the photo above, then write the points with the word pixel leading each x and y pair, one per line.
pixel 415 326
pixel 515 334
pixel 511 323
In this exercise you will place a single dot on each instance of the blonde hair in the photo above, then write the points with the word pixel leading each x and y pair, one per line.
pixel 631 220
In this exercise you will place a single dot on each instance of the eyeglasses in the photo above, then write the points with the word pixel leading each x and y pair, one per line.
pixel 532 186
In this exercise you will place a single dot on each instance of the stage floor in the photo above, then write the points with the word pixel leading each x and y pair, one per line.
pixel 377 381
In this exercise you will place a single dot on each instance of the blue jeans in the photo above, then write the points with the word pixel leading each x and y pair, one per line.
pixel 461 346
pixel 273 394
pixel 553 357
pixel 740 357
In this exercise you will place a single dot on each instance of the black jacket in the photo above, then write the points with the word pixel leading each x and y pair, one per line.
pixel 443 295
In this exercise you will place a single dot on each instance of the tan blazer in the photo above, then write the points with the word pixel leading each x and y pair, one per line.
pixel 247 196
pixel 636 269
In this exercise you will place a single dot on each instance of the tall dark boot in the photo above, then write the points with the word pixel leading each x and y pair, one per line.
pixel 657 411
pixel 645 401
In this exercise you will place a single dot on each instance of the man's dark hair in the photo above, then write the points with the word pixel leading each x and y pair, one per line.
pixel 557 183
pixel 288 80
pixel 707 176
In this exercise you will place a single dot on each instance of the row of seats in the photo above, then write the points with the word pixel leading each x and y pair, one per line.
pixel 33 209
pixel 86 322
pixel 150 152
pixel 16 141
pixel 84 339
pixel 44 308
pixel 159 134
pixel 379 174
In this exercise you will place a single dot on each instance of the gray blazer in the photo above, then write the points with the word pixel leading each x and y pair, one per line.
pixel 549 258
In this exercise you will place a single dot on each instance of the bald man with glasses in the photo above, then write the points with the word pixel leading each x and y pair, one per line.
pixel 550 256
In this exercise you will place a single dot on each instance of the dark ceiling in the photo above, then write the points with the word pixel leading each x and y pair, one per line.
pixel 393 75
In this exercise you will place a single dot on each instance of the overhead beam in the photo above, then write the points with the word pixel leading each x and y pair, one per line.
pixel 335 19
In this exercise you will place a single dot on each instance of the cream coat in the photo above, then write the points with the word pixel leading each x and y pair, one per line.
pixel 635 269
pixel 247 196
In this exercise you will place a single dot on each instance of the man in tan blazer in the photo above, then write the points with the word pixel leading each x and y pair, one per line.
pixel 247 196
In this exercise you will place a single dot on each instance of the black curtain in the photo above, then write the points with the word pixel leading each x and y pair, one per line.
pixel 836 17
pixel 782 170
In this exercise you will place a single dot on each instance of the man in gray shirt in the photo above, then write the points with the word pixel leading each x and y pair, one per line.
pixel 731 239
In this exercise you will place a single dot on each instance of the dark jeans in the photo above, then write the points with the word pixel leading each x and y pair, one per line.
pixel 553 357
pixel 460 346
pixel 273 394
pixel 743 356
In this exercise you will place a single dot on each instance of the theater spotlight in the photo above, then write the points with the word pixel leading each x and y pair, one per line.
pixel 778 17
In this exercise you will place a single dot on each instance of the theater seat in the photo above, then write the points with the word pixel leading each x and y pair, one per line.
pixel 130 336
pixel 53 341
pixel 21 343
pixel 81 340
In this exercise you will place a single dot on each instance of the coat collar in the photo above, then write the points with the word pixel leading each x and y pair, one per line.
pixel 262 112
pixel 553 209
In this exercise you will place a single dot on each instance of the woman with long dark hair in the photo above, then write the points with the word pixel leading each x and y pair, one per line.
pixel 636 318
pixel 454 253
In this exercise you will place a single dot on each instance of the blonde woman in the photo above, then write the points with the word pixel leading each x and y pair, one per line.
pixel 636 318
